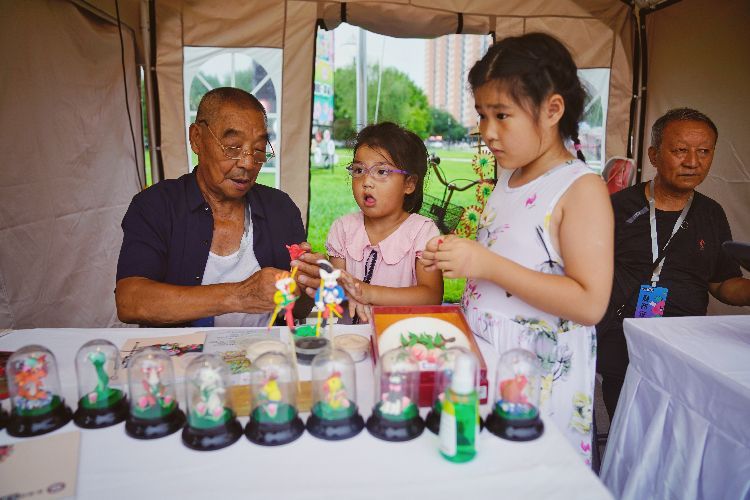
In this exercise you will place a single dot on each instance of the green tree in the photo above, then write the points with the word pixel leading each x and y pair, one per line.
pixel 594 115
pixel 344 103
pixel 401 101
pixel 444 124
pixel 243 79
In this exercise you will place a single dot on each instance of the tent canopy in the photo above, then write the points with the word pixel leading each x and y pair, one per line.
pixel 74 157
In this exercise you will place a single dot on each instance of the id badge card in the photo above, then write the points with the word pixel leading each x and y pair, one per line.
pixel 651 301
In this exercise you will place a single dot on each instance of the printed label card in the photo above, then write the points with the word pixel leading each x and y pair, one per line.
pixel 43 467
pixel 182 349
pixel 651 302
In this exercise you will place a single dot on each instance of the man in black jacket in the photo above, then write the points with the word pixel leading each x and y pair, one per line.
pixel 207 249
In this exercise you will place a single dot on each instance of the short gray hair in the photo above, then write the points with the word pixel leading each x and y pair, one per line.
pixel 214 99
pixel 677 115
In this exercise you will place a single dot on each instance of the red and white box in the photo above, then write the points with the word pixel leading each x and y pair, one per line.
pixel 422 319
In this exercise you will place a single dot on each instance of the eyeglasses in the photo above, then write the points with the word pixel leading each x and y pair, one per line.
pixel 379 171
pixel 237 153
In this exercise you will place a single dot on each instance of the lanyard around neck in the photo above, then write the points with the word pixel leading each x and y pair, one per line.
pixel 654 241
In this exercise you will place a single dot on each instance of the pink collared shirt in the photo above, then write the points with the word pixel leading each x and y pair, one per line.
pixel 397 254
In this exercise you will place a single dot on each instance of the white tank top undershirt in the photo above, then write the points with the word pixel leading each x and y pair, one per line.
pixel 234 268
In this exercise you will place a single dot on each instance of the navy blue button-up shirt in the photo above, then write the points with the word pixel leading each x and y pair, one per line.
pixel 168 228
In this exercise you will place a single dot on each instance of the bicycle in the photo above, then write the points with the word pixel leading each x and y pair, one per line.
pixel 446 215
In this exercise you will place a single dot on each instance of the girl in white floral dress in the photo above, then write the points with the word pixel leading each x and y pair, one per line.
pixel 540 273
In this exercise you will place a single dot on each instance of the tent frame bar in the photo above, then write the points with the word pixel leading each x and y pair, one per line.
pixel 640 78
pixel 148 32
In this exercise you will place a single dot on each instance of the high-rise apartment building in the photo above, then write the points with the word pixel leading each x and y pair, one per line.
pixel 448 61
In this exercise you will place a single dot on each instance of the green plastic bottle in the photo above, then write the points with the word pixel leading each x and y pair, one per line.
pixel 459 420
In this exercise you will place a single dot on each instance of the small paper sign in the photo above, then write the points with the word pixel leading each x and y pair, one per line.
pixel 44 467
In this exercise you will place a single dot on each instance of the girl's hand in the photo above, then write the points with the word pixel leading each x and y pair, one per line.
pixel 360 311
pixel 354 288
pixel 457 257
pixel 427 256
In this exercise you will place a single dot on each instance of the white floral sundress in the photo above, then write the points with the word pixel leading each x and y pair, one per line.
pixel 515 224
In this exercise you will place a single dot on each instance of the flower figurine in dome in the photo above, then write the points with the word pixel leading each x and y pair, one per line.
pixel 211 392
pixel 154 411
pixel 394 402
pixel 34 386
pixel 329 296
pixel 334 414
pixel 156 399
pixel 515 415
pixel 270 396
pixel 273 397
pixel 335 399
pixel 395 416
pixel 100 402
pixel 211 424
pixel 31 393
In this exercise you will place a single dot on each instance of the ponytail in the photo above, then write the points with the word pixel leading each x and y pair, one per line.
pixel 577 146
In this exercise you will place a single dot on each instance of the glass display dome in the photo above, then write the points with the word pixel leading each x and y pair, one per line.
pixel 334 414
pixel 37 404
pixel 154 410
pixel 211 423
pixel 273 401
pixel 515 414
pixel 446 366
pixel 101 401
pixel 395 416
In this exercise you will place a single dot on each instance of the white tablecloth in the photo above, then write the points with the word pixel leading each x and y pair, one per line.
pixel 113 465
pixel 682 426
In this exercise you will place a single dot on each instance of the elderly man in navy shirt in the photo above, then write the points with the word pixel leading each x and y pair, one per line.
pixel 207 249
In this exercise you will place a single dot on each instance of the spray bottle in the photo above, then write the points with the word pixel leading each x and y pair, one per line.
pixel 459 420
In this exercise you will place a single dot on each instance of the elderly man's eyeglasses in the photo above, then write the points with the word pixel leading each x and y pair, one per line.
pixel 379 171
pixel 237 153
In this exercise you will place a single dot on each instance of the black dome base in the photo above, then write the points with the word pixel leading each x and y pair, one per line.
pixel 155 428
pixel 270 434
pixel 335 430
pixel 515 430
pixel 21 426
pixel 212 439
pixel 389 430
pixel 89 418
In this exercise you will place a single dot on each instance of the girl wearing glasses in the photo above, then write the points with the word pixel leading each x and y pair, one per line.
pixel 378 246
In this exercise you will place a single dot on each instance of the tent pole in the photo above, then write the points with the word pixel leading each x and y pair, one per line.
pixel 361 80
pixel 642 42
pixel 153 147
pixel 636 85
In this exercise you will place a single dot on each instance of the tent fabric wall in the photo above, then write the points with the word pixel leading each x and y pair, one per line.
pixel 289 25
pixel 69 168
pixel 596 31
pixel 698 57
